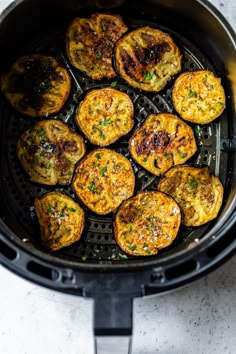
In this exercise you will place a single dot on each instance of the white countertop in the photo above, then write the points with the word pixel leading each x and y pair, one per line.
pixel 200 318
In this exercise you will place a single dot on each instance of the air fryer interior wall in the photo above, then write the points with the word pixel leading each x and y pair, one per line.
pixel 205 42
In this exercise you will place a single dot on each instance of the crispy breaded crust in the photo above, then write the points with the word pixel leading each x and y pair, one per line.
pixel 146 223
pixel 147 58
pixel 103 179
pixel 61 220
pixel 198 96
pixel 163 140
pixel 48 152
pixel 36 85
pixel 105 115
pixel 90 42
pixel 198 193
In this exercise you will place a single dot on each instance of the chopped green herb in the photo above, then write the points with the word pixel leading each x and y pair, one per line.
pixel 130 229
pixel 40 132
pixel 105 122
pixel 103 170
pixel 108 44
pixel 122 256
pixel 42 153
pixel 101 135
pixel 148 75
pixel 69 173
pixel 192 93
pixel 132 248
pixel 49 209
pixel 152 225
pixel 99 56
pixel 193 182
pixel 48 165
pixel 103 27
pixel 166 155
pixel 151 217
pixel 95 164
pixel 114 83
pixel 181 154
pixel 197 130
pixel 60 213
pixel 97 110
pixel 222 104
pixel 84 258
pixel 139 213
pixel 72 209
pixel 146 249
pixel 91 187
pixel 98 156
pixel 145 159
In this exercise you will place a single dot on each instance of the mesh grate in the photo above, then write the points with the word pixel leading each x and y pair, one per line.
pixel 18 192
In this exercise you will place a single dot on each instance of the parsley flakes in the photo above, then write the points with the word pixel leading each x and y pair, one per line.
pixel 192 93
pixel 91 187
pixel 114 83
pixel 103 171
pixel 149 75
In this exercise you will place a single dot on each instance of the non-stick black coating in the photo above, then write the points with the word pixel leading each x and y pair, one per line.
pixel 203 43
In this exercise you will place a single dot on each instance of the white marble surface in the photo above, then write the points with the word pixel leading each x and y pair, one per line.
pixel 200 318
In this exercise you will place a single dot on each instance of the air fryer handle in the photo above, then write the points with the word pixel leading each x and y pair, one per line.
pixel 113 314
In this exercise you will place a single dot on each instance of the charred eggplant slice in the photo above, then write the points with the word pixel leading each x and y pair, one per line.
pixel 61 220
pixel 162 141
pixel 90 43
pixel 147 58
pixel 36 85
pixel 146 223
pixel 103 179
pixel 199 193
pixel 198 96
pixel 105 115
pixel 48 152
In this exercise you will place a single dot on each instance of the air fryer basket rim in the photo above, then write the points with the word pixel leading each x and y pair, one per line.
pixel 203 243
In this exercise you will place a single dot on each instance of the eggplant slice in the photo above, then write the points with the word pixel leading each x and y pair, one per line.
pixel 36 85
pixel 147 58
pixel 105 115
pixel 163 140
pixel 90 42
pixel 198 96
pixel 61 220
pixel 146 223
pixel 103 179
pixel 48 152
pixel 199 193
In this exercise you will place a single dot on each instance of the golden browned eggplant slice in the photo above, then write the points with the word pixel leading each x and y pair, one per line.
pixel 163 140
pixel 103 179
pixel 147 58
pixel 90 43
pixel 198 96
pixel 48 152
pixel 61 220
pixel 36 85
pixel 146 223
pixel 105 115
pixel 199 193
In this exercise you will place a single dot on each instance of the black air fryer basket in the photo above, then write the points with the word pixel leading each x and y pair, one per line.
pixel 95 266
